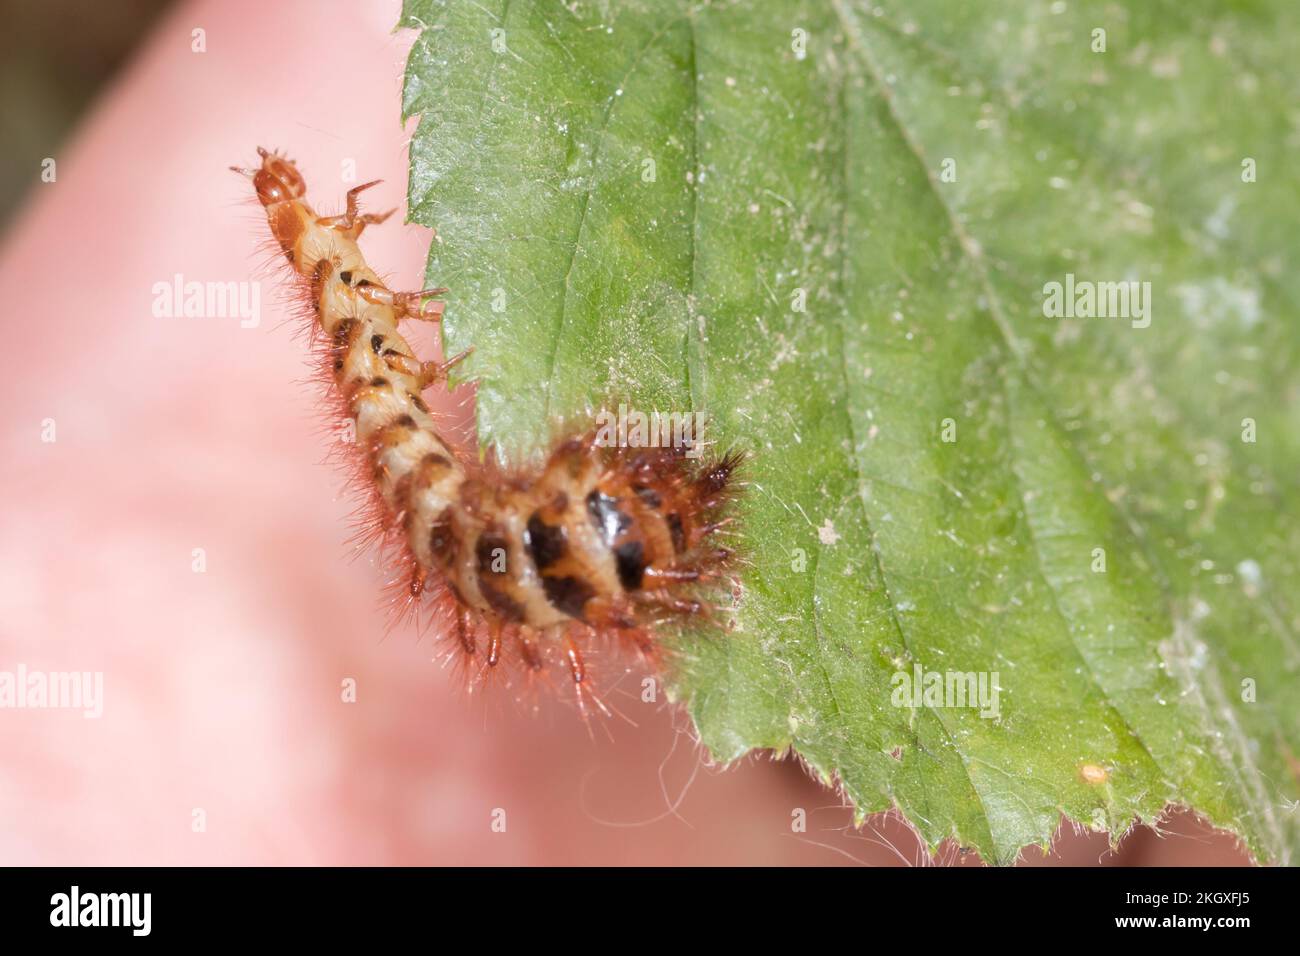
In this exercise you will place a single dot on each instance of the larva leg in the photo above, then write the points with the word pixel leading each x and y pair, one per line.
pixel 465 632
pixel 577 669
pixel 402 363
pixel 418 577
pixel 530 652
pixel 408 305
pixel 431 372
pixel 581 685
pixel 426 373
pixel 352 221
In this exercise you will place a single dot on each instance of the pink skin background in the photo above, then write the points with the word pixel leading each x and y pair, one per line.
pixel 222 690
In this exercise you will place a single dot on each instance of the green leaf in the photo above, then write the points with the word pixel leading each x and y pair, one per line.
pixel 666 203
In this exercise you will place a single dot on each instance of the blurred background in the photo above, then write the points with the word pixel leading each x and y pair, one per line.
pixel 56 56
pixel 225 738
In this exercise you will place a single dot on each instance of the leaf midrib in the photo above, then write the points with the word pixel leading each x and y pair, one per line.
pixel 858 486
pixel 1016 350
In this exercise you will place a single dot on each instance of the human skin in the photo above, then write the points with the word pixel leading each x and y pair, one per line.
pixel 223 688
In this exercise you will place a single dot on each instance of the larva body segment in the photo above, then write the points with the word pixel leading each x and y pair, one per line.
pixel 526 567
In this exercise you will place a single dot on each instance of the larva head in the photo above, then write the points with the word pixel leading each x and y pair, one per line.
pixel 278 180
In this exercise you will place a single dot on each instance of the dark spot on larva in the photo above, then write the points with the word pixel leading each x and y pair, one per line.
pixel 648 495
pixel 568 594
pixel 343 332
pixel 503 604
pixel 379 382
pixel 441 539
pixel 361 284
pixel 545 543
pixel 418 402
pixel 434 460
pixel 404 421
pixel 376 343
pixel 390 351
pixel 606 516
pixel 318 274
pixel 630 557
pixel 491 551
pixel 678 532
pixel 346 277
pixel 402 493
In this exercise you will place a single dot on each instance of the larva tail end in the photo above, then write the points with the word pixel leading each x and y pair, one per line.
pixel 277 180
